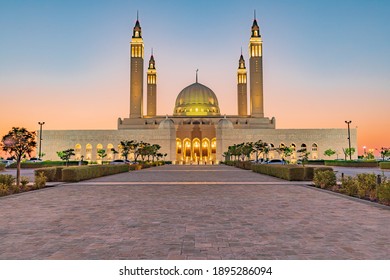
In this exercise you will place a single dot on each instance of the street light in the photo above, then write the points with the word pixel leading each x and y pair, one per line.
pixel 364 150
pixel 40 138
pixel 349 139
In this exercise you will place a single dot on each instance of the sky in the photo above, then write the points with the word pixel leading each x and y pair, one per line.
pixel 67 62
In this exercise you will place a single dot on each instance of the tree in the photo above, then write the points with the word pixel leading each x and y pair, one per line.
pixel 329 152
pixel 385 152
pixel 285 151
pixel 126 147
pixel 102 154
pixel 258 148
pixel 66 155
pixel 303 155
pixel 348 152
pixel 246 150
pixel 114 152
pixel 18 142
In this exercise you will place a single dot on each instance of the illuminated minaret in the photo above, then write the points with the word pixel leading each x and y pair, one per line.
pixel 151 88
pixel 241 88
pixel 256 72
pixel 136 72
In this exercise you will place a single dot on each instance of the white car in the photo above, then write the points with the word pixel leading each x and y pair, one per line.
pixel 7 162
pixel 121 161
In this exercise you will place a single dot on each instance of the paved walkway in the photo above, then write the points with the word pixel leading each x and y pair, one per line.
pixel 160 213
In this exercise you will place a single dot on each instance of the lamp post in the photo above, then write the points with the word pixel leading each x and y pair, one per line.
pixel 349 139
pixel 364 150
pixel 40 138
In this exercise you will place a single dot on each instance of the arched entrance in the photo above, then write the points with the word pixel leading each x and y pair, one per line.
pixel 196 151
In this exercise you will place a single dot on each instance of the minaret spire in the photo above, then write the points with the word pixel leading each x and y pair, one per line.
pixel 197 75
pixel 136 72
pixel 256 71
pixel 151 87
pixel 242 88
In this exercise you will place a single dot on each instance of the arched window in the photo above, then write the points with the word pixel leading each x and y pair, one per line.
pixel 314 147
pixel 88 151
pixel 110 153
pixel 303 147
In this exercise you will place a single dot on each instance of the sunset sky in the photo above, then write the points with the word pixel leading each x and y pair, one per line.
pixel 67 62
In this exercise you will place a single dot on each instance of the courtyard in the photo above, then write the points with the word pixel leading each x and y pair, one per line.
pixel 191 212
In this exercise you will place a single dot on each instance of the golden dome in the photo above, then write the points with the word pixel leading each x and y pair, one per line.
pixel 196 100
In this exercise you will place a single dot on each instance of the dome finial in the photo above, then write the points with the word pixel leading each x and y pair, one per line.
pixel 197 75
pixel 254 14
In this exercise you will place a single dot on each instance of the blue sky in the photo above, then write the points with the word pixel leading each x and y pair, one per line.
pixel 329 59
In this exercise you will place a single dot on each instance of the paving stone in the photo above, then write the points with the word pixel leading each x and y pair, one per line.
pixel 190 212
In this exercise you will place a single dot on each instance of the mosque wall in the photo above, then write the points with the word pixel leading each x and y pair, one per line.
pixel 316 141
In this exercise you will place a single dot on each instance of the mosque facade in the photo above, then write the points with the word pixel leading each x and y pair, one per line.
pixel 196 131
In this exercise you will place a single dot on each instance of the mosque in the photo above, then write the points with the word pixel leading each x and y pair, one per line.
pixel 196 131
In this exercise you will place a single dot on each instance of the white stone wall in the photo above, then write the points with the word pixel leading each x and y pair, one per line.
pixel 336 139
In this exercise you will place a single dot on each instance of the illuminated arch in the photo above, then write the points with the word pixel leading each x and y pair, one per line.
pixel 88 151
pixel 77 151
pixel 110 153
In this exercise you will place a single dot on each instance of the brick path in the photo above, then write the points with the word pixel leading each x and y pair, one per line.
pixel 167 216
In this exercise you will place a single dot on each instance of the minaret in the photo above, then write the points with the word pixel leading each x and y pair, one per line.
pixel 151 88
pixel 256 72
pixel 241 88
pixel 136 72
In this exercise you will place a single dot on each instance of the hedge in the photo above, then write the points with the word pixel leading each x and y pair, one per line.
pixel 286 172
pixel 384 165
pixel 79 173
pixel 53 174
pixel 47 163
pixel 316 162
pixel 351 163
pixel 310 171
pixel 2 166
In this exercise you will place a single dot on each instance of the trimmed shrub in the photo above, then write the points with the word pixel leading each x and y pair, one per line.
pixel 286 172
pixel 366 184
pixel 40 180
pixel 49 172
pixel 383 193
pixel 79 173
pixel 47 163
pixel 135 167
pixel 324 179
pixel 350 163
pixel 384 165
pixel 2 166
pixel 349 186
pixel 316 162
pixel 7 179
pixel 244 165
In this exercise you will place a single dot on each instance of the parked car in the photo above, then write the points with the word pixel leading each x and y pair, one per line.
pixel 7 162
pixel 34 159
pixel 275 161
pixel 122 161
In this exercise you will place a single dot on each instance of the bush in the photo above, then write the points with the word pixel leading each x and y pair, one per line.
pixel 309 171
pixel 3 189
pixel 286 172
pixel 49 172
pixel 135 167
pixel 325 179
pixel 384 165
pixel 7 179
pixel 40 180
pixel 2 166
pixel 24 182
pixel 244 165
pixel 316 162
pixel 351 163
pixel 349 186
pixel 47 163
pixel 366 184
pixel 79 173
pixel 383 193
